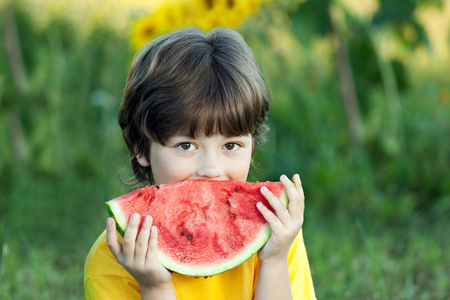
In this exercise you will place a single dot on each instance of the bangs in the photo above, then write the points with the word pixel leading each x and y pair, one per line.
pixel 228 103
pixel 222 107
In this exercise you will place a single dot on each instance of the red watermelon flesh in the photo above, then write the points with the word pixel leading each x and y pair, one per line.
pixel 205 227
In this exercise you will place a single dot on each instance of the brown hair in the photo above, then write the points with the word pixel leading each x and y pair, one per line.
pixel 191 83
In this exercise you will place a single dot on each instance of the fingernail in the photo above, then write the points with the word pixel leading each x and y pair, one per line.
pixel 135 216
pixel 264 189
pixel 153 228
pixel 147 219
pixel 108 221
pixel 284 177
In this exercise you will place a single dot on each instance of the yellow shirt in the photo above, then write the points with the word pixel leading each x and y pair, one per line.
pixel 105 278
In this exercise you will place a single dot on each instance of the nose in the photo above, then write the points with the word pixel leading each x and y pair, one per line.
pixel 209 166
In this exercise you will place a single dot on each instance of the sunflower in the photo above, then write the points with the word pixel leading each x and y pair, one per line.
pixel 146 29
pixel 205 14
pixel 223 13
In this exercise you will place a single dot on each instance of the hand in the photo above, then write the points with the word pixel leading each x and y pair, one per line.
pixel 138 255
pixel 284 223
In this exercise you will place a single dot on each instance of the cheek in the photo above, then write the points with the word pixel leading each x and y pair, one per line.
pixel 239 168
pixel 168 169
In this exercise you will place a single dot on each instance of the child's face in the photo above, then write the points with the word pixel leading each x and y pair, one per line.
pixel 215 158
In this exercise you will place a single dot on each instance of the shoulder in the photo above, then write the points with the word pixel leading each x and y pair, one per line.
pixel 98 257
pixel 100 260
pixel 297 247
pixel 299 271
pixel 103 274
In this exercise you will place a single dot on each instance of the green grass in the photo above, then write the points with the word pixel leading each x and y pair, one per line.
pixel 360 257
pixel 48 237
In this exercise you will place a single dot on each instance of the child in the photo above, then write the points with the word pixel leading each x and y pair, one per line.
pixel 194 107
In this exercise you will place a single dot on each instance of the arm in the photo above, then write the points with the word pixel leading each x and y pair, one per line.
pixel 139 257
pixel 273 276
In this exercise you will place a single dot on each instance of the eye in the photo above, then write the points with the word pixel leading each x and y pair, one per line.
pixel 231 146
pixel 186 146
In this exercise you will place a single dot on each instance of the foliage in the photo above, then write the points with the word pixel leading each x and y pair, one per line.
pixel 398 127
pixel 376 197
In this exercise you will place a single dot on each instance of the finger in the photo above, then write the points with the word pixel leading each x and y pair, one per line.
pixel 152 245
pixel 299 187
pixel 129 239
pixel 280 209
pixel 274 222
pixel 278 206
pixel 111 239
pixel 297 208
pixel 292 194
pixel 142 240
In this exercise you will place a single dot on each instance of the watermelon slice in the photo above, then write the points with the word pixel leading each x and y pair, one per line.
pixel 205 227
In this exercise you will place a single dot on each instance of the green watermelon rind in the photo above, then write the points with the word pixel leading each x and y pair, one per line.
pixel 121 220
pixel 210 270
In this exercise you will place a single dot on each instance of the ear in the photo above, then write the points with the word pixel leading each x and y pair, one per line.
pixel 142 160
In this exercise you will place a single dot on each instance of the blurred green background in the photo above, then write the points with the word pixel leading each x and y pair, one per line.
pixel 361 110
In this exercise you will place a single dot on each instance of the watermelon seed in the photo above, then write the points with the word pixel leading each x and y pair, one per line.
pixel 140 194
pixel 227 202
pixel 233 216
pixel 157 187
pixel 189 236
pixel 238 189
pixel 182 232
